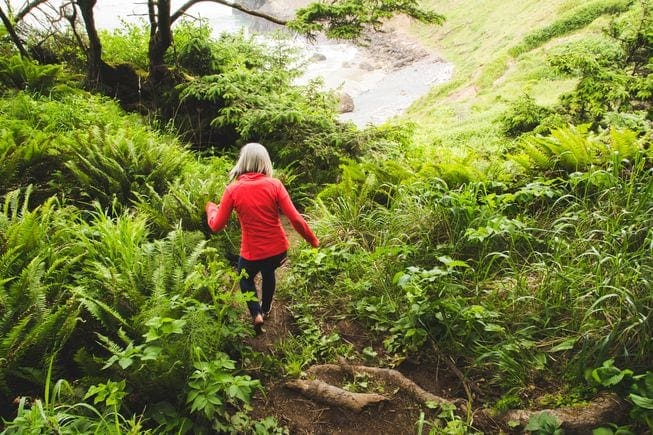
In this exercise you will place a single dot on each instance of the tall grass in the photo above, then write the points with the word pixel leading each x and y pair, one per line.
pixel 527 279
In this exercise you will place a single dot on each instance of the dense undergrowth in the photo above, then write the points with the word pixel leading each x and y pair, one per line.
pixel 523 251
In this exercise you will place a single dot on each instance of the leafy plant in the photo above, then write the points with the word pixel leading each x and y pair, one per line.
pixel 54 415
pixel 611 70
pixel 543 423
pixel 212 388
pixel 311 344
pixel 576 149
pixel 523 115
pixel 126 44
pixel 639 388
pixel 19 73
pixel 446 422
pixel 114 165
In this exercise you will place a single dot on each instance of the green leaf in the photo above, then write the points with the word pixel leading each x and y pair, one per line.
pixel 568 344
pixel 125 362
pixel 493 327
pixel 641 401
pixel 608 375
pixel 151 353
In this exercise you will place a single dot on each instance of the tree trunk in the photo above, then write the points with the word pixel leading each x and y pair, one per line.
pixel 12 33
pixel 160 38
pixel 94 54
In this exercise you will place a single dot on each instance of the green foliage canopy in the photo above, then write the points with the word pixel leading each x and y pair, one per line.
pixel 348 19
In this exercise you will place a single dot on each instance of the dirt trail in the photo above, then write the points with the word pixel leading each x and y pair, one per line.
pixel 399 415
pixel 303 416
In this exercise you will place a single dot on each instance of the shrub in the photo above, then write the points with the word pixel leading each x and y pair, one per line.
pixel 115 165
pixel 24 74
pixel 613 72
pixel 126 44
pixel 522 116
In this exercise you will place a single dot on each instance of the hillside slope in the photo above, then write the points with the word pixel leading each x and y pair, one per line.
pixel 478 37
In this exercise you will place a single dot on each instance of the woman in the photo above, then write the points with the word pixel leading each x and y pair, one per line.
pixel 257 198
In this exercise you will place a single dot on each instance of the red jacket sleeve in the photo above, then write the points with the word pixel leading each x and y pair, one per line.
pixel 297 221
pixel 218 216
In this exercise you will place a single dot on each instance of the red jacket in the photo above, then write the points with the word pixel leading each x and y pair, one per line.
pixel 257 199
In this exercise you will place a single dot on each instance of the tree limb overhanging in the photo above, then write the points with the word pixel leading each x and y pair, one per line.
pixel 28 9
pixel 348 19
pixel 184 8
pixel 345 19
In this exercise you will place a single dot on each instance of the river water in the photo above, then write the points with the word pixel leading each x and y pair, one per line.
pixel 379 89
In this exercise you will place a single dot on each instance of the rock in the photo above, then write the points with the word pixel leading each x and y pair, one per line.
pixel 366 66
pixel 346 102
pixel 318 57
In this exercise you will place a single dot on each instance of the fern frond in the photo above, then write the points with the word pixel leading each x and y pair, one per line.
pixel 46 334
pixel 11 205
pixel 574 150
pixel 102 312
pixel 28 291
pixel 623 143
pixel 12 340
pixel 194 257
pixel 538 152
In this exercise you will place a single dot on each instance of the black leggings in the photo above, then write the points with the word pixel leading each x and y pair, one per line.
pixel 266 267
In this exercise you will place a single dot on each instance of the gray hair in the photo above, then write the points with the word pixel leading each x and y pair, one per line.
pixel 253 158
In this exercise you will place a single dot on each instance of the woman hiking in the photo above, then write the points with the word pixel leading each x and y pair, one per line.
pixel 258 197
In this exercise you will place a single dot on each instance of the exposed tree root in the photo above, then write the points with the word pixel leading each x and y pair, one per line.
pixel 327 393
pixel 607 408
pixel 332 395
pixel 383 374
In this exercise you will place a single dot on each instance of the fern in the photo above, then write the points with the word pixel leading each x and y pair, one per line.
pixel 119 164
pixel 182 205
pixel 11 206
pixel 574 149
pixel 46 336
pixel 103 313
pixel 623 144
pixel 19 73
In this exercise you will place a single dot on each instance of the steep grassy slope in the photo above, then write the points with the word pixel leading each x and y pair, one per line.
pixel 479 37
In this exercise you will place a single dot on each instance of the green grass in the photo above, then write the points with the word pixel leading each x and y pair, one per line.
pixel 477 38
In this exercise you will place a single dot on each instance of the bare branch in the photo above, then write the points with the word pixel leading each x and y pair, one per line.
pixel 182 10
pixel 69 12
pixel 28 8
